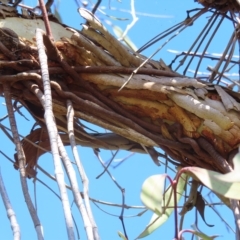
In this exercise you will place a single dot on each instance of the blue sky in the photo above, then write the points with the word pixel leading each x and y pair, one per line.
pixel 131 174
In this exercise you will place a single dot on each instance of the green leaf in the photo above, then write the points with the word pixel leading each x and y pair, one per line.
pixel 227 185
pixel 236 163
pixel 121 235
pixel 156 220
pixel 152 193
pixel 234 175
pixel 204 236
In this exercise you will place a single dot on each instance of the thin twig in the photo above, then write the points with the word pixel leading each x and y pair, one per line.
pixel 208 43
pixel 70 188
pixel 181 62
pixel 45 18
pixel 10 212
pixel 111 69
pixel 75 189
pixel 152 55
pixel 109 163
pixel 119 187
pixel 52 131
pixel 96 6
pixel 85 181
pixel 22 160
pixel 134 20
pixel 210 24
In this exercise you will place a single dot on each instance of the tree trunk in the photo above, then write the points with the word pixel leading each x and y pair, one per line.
pixel 141 101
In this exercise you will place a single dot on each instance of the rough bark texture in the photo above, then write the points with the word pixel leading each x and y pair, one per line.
pixel 222 6
pixel 195 123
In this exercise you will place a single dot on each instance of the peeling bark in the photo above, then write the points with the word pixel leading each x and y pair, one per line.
pixel 156 108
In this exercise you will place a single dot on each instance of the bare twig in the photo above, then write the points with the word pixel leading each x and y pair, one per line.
pixel 22 160
pixel 52 131
pixel 85 181
pixel 96 6
pixel 10 212
pixel 105 168
pixel 120 188
pixel 152 55
pixel 134 20
pixel 45 18
pixel 112 69
pixel 75 189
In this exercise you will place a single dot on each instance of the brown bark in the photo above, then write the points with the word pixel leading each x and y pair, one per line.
pixel 190 120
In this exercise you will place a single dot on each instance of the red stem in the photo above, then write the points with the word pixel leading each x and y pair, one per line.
pixel 183 231
pixel 45 18
pixel 174 185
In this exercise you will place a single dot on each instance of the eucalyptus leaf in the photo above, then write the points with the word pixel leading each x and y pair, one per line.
pixel 121 235
pixel 227 185
pixel 152 193
pixel 204 236
pixel 201 236
pixel 236 162
pixel 156 220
